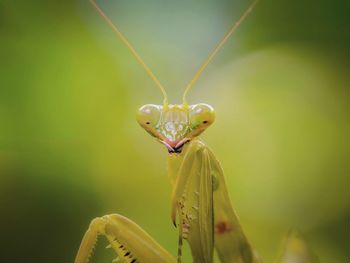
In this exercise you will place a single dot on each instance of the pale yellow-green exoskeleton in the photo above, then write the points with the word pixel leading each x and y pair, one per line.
pixel 200 197
pixel 201 206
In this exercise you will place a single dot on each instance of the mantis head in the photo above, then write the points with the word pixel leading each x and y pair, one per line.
pixel 175 125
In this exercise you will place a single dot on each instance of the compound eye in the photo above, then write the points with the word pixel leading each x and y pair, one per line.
pixel 148 115
pixel 202 115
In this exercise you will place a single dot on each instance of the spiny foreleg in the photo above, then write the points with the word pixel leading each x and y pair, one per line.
pixel 131 243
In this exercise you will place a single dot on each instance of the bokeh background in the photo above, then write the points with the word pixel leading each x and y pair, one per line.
pixel 70 148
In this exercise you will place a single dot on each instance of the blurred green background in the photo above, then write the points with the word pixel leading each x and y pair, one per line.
pixel 70 148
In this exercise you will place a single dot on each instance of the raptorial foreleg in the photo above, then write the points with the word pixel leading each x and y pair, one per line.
pixel 131 243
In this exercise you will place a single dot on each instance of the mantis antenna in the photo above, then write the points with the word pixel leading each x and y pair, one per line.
pixel 131 48
pixel 217 49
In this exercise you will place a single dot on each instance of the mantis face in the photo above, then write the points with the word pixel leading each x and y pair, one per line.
pixel 175 125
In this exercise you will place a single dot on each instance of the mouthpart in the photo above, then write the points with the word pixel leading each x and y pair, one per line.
pixel 175 146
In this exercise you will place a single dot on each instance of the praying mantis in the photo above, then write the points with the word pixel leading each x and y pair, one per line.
pixel 200 204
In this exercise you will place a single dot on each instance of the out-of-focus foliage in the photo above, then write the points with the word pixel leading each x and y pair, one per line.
pixel 70 149
pixel 297 250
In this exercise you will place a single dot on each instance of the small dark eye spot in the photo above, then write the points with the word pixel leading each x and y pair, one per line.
pixel 148 123
pixel 205 122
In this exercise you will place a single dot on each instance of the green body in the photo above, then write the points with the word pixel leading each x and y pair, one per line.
pixel 200 196
pixel 200 201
